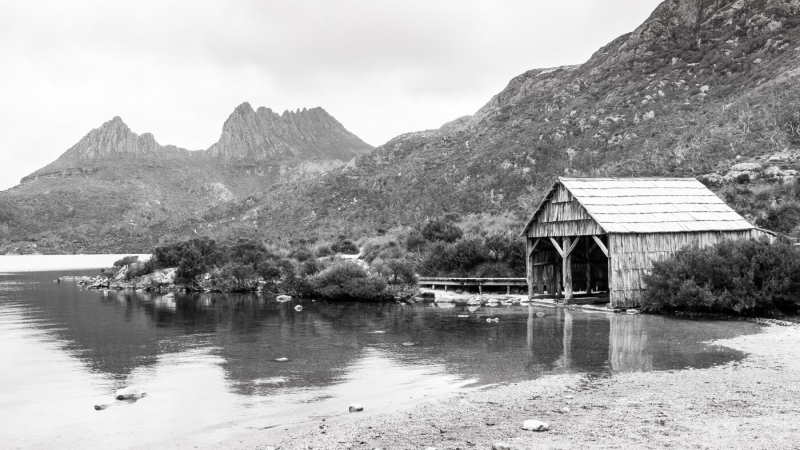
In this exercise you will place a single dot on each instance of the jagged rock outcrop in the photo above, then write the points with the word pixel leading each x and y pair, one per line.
pixel 264 135
pixel 115 138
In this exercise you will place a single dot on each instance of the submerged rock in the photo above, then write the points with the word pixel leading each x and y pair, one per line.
pixel 130 394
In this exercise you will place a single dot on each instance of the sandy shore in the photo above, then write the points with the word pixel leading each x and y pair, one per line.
pixel 753 403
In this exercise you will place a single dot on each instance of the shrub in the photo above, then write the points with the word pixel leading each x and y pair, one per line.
pixel 345 246
pixel 745 277
pixel 126 261
pixel 324 250
pixel 402 271
pixel 415 241
pixel 347 280
pixel 441 230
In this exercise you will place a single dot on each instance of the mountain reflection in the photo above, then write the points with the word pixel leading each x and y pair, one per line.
pixel 115 333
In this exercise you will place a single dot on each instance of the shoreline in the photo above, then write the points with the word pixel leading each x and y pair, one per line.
pixel 750 403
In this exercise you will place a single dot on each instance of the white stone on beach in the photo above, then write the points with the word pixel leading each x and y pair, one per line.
pixel 355 407
pixel 535 425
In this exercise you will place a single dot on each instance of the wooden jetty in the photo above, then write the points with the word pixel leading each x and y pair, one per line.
pixel 447 282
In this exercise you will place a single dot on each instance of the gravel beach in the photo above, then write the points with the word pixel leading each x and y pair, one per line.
pixel 752 403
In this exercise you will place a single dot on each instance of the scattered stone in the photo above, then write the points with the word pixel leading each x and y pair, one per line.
pixel 102 407
pixel 463 316
pixel 283 298
pixel 408 344
pixel 565 410
pixel 298 308
pixel 501 446
pixel 129 394
pixel 535 425
pixel 493 320
pixel 355 407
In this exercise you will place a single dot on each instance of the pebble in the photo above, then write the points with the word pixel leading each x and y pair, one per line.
pixel 355 407
pixel 535 425
pixel 501 446
pixel 129 394
pixel 565 410
pixel 493 320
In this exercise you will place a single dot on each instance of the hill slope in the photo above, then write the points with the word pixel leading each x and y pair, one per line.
pixel 697 88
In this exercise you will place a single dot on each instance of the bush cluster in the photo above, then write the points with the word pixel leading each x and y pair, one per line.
pixel 746 277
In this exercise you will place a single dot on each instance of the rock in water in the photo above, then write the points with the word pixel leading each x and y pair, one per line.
pixel 283 298
pixel 535 425
pixel 282 359
pixel 298 308
pixel 129 394
pixel 355 407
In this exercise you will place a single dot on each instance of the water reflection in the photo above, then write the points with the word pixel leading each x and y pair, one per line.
pixel 224 346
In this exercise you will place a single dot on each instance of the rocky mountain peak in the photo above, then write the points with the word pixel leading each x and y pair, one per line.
pixel 263 135
pixel 113 139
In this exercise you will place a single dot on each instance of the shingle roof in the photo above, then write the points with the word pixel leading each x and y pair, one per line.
pixel 651 205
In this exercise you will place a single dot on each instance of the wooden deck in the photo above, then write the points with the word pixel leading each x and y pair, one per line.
pixel 472 282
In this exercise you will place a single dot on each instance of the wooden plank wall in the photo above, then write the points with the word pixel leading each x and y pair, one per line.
pixel 632 256
pixel 562 215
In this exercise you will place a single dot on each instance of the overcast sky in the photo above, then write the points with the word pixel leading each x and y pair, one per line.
pixel 177 69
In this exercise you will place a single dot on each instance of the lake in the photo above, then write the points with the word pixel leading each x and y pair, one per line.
pixel 207 361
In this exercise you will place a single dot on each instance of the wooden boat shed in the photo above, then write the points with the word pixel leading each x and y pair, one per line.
pixel 601 235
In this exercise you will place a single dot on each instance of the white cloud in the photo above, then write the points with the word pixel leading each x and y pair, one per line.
pixel 178 68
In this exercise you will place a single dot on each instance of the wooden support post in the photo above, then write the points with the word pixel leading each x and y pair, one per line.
pixel 508 289
pixel 433 286
pixel 539 279
pixel 557 278
pixel 567 270
pixel 480 289
pixel 445 288
pixel 529 268
pixel 588 266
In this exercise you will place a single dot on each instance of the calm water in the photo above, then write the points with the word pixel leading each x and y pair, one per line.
pixel 207 361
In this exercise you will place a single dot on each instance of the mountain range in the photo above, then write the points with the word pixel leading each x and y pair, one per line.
pixel 703 88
